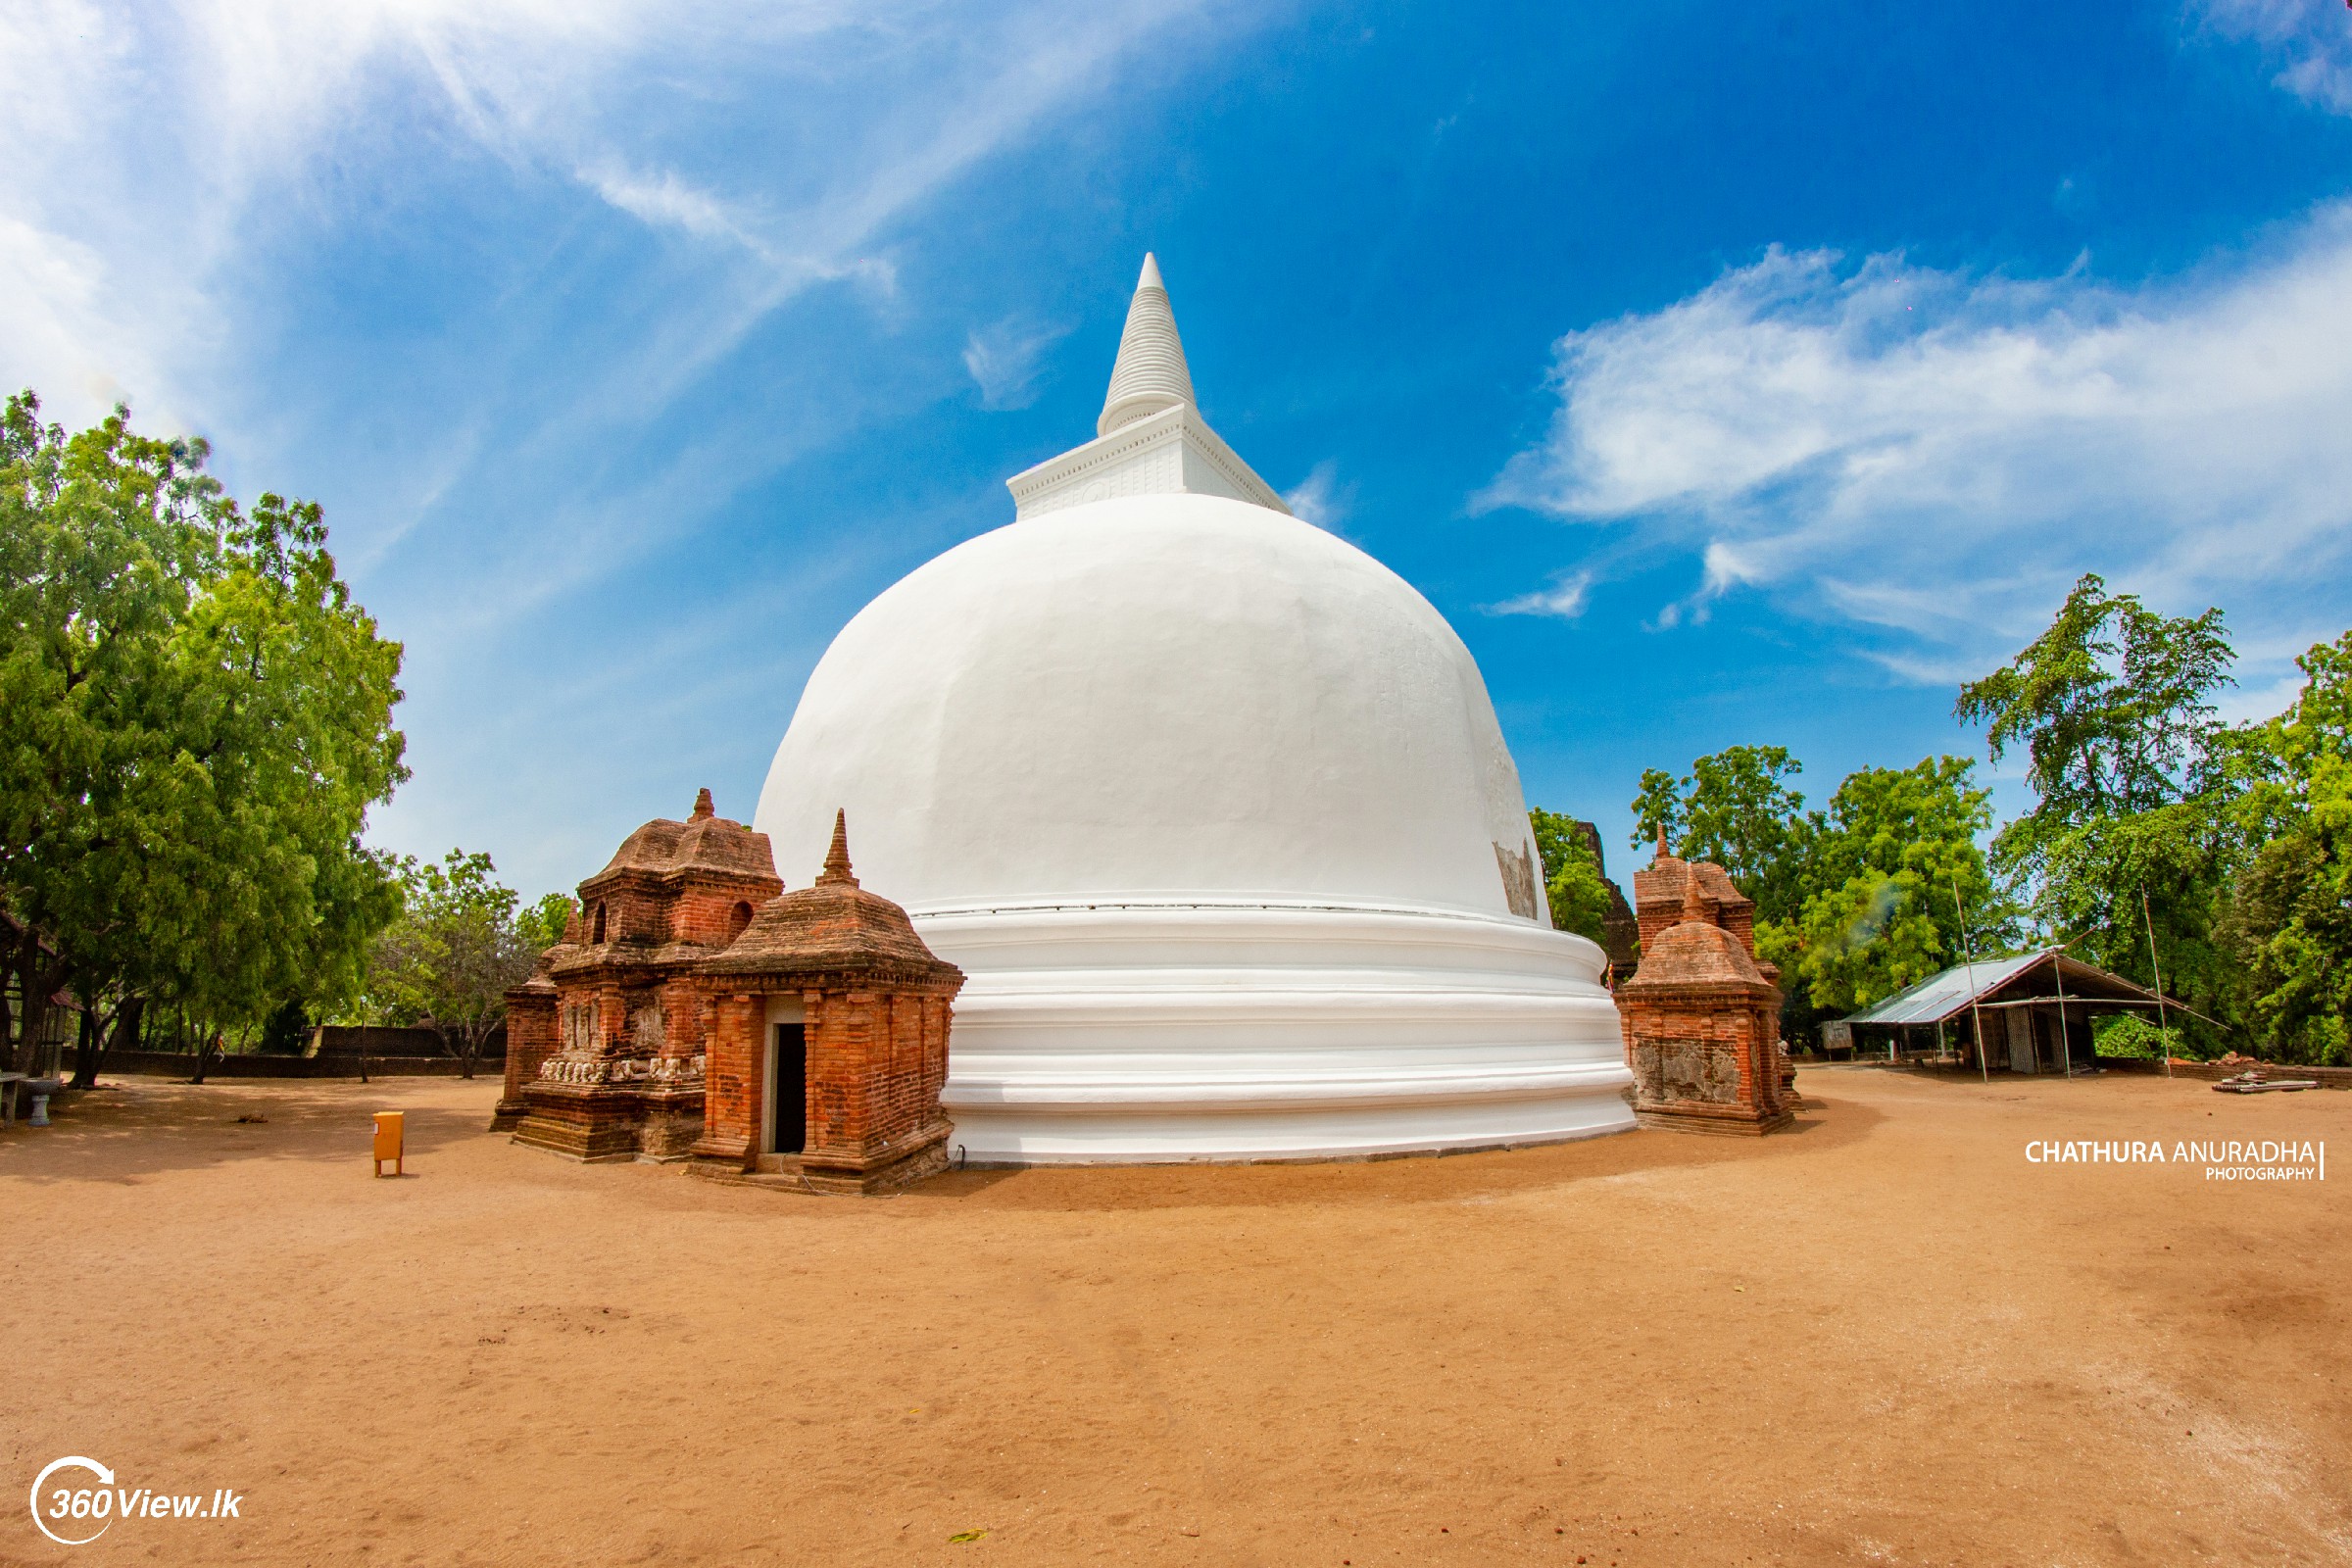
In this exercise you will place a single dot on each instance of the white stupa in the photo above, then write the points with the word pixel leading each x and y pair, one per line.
pixel 1212 809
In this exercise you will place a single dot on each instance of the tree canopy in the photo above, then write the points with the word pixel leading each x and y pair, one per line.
pixel 195 717
pixel 1572 885
pixel 1895 862
pixel 2289 916
pixel 2135 783
pixel 1733 809
pixel 459 943
pixel 1854 902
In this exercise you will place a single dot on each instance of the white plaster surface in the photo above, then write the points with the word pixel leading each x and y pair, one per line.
pixel 1207 803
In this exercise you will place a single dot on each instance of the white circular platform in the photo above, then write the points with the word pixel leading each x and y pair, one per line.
pixel 1214 809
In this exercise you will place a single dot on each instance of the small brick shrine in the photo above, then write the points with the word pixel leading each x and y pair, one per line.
pixel 828 1041
pixel 1702 1031
pixel 611 1064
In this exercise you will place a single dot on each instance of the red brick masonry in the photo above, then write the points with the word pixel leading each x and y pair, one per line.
pixel 875 1007
pixel 1701 1016
pixel 612 1064
pixel 643 1034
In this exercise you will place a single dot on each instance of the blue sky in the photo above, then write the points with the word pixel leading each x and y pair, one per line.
pixel 1724 373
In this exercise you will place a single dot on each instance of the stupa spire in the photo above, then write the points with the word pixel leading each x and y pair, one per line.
pixel 1150 440
pixel 837 859
pixel 1150 374
pixel 1695 900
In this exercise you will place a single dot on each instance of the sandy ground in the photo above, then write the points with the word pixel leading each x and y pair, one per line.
pixel 1885 1336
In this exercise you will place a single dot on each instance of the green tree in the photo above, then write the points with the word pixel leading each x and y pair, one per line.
pixel 1733 809
pixel 449 961
pixel 194 719
pixel 542 923
pixel 1896 859
pixel 1657 808
pixel 2288 916
pixel 2136 784
pixel 1578 893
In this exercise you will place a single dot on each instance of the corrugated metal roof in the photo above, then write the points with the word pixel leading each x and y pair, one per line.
pixel 1939 996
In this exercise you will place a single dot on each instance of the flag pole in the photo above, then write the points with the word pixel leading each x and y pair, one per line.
pixel 2163 1030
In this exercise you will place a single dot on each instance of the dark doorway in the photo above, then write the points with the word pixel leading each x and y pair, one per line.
pixel 790 1079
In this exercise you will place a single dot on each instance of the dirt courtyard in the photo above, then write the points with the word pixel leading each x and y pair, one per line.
pixel 1885 1337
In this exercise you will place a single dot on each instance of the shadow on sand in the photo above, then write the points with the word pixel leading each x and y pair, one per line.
pixel 1406 1179
pixel 141 1127
pixel 136 1127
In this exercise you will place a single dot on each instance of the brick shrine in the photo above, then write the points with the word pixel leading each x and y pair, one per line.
pixel 1701 1014
pixel 828 1041
pixel 619 1044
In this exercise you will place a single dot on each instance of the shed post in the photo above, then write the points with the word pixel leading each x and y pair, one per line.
pixel 2157 969
pixel 1975 1013
pixel 2066 1041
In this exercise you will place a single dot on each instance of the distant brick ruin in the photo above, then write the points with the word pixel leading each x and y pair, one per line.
pixel 1620 930
pixel 1701 1014
pixel 694 1010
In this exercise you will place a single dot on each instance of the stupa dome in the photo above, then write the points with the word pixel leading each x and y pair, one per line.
pixel 1214 812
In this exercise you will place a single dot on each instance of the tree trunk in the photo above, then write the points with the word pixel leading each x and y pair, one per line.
pixel 85 1046
pixel 90 1062
pixel 8 1010
pixel 39 974
pixel 205 1050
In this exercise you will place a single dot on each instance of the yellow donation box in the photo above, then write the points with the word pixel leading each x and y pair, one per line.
pixel 388 1140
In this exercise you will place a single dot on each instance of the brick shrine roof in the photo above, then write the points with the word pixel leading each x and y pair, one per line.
pixel 1664 879
pixel 1695 952
pixel 835 928
pixel 705 842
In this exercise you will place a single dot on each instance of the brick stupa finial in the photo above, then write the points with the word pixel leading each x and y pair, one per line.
pixel 1694 901
pixel 1661 840
pixel 703 810
pixel 836 873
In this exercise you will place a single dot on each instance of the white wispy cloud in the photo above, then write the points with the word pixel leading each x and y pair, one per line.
pixel 1003 359
pixel 1940 453
pixel 1320 498
pixel 2309 42
pixel 1564 597
pixel 475 272
pixel 151 152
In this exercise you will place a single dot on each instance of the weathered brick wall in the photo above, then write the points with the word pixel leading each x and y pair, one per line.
pixel 712 911
pixel 530 1039
pixel 173 1065
pixel 732 1077
pixel 840 1075
pixel 1701 1019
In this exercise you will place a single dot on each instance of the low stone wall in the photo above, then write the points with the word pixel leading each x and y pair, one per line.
pixel 347 1039
pixel 2213 1072
pixel 173 1064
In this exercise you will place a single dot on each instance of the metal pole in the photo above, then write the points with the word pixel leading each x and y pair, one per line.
pixel 2064 1041
pixel 2158 970
pixel 1975 1013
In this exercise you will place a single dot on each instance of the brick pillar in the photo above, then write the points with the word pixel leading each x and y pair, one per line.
pixel 531 1041
pixel 731 1080
pixel 682 1018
